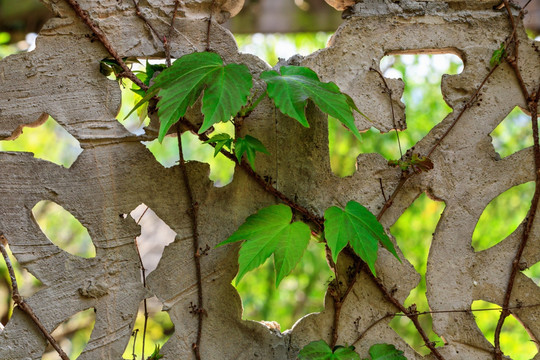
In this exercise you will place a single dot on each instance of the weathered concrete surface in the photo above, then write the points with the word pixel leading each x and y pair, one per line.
pixel 115 173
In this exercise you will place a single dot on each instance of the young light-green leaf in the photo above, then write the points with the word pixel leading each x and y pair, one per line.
pixel 226 89
pixel 320 350
pixel 385 352
pixel 291 89
pixel 497 56
pixel 249 145
pixel 356 226
pixel 268 232
pixel 220 140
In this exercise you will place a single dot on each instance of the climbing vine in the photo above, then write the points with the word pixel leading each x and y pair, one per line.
pixel 284 230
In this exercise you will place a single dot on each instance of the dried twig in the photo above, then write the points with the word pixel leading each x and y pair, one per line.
pixel 19 301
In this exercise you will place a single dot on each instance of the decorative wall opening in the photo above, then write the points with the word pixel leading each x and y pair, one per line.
pixel 46 140
pixel 63 229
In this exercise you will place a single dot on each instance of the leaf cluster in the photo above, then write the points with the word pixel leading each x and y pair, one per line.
pixel 320 350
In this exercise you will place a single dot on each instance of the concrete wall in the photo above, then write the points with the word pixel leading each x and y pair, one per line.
pixel 115 173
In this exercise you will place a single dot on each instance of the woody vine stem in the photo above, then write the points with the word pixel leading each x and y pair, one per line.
pixel 339 295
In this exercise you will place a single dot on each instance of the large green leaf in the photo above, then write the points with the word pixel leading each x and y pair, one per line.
pixel 385 352
pixel 226 89
pixel 249 145
pixel 320 350
pixel 268 232
pixel 356 226
pixel 291 89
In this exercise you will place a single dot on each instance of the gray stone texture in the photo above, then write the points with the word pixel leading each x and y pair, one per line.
pixel 115 173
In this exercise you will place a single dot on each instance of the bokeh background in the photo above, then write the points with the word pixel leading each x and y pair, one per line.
pixel 273 29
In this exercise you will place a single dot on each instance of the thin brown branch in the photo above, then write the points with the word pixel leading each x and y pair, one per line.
pixel 411 314
pixel 266 185
pixel 193 214
pixel 208 29
pixel 512 58
pixel 340 299
pixel 145 20
pixel 389 92
pixel 469 103
pixel 143 271
pixel 19 301
pixel 106 43
pixel 371 326
pixel 166 40
pixel 532 105
pixel 388 202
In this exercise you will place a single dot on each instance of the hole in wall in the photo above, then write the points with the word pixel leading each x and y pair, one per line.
pixel 414 232
pixel 47 141
pixel 502 216
pixel 28 285
pixel 272 47
pixel 166 153
pixel 425 108
pixel 221 168
pixel 515 341
pixel 72 335
pixel 300 293
pixel 159 329
pixel 514 133
pixel 155 236
pixel 63 229
pixel 533 273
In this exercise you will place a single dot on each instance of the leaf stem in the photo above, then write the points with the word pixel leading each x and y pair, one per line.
pixel 250 108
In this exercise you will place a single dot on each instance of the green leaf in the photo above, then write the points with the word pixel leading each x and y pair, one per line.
pixel 356 226
pixel 385 352
pixel 291 89
pixel 497 56
pixel 249 145
pixel 220 140
pixel 268 232
pixel 226 89
pixel 320 350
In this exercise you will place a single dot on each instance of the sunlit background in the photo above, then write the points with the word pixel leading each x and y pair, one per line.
pixel 303 291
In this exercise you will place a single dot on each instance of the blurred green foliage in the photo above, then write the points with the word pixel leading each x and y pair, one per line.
pixel 303 291
pixel 515 341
